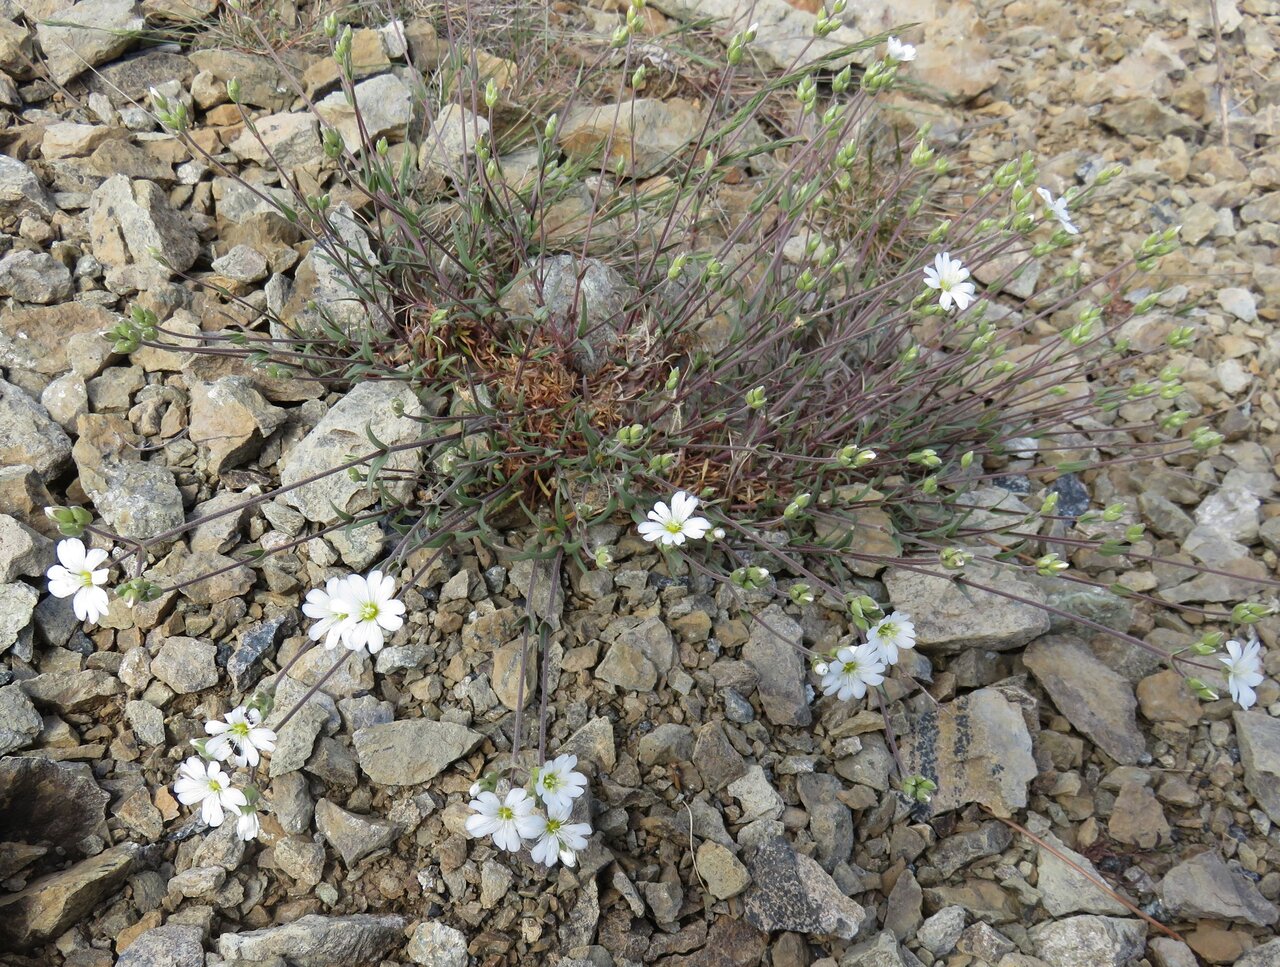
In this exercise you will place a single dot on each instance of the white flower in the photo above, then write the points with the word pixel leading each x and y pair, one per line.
pixel 372 609
pixel 509 821
pixel 240 738
pixel 247 824
pixel 852 671
pixel 948 276
pixel 675 524
pixel 891 633
pixel 1244 671
pixel 820 668
pixel 77 576
pixel 209 786
pixel 560 839
pixel 329 608
pixel 900 52
pixel 1058 209
pixel 557 784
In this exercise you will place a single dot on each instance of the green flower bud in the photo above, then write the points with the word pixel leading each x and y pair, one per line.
pixel 1183 337
pixel 1051 564
pixel 1202 690
pixel 750 578
pixel 954 558
pixel 796 506
pixel 491 94
pixel 801 593
pixel 1249 612
pixel 918 788
pixel 755 398
pixel 1202 438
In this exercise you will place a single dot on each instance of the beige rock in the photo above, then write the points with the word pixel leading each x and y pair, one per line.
pixel 643 135
pixel 51 904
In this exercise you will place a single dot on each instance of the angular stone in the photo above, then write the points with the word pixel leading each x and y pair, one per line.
pixel 939 933
pixel 1259 736
pixel 352 835
pixel 385 106
pixel 1095 699
pixel 785 35
pixel 644 134
pixel 34 277
pixel 23 551
pixel 411 751
pixel 28 436
pixel 1089 941
pixel 17 605
pixel 756 796
pixel 715 758
pixel 316 941
pixel 951 617
pixel 38 337
pixel 87 34
pixel 301 859
pixel 231 419
pixel 172 945
pixel 1064 890
pixel 774 651
pixel 48 906
pixel 1264 955
pixel 21 192
pixel 131 220
pixel 960 850
pixel 20 723
pixel 666 744
pixel 790 891
pixel 436 944
pixel 595 743
pixel 724 874
pixel 284 140
pixel 976 748
pixel 72 691
pixel 1206 887
pixel 1137 819
pixel 186 664
pixel 366 408
pixel 627 667
pixel 1165 697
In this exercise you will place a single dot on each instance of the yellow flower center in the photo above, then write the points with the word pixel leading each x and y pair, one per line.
pixel 240 730
pixel 673 526
pixel 86 578
pixel 550 781
pixel 215 785
pixel 506 814
pixel 368 612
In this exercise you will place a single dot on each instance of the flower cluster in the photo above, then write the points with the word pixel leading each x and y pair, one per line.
pixel 355 611
pixel 240 738
pixel 855 668
pixel 542 816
